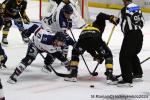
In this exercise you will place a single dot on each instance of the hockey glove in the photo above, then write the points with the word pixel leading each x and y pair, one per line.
pixel 26 19
pixel 98 59
pixel 114 20
pixel 25 34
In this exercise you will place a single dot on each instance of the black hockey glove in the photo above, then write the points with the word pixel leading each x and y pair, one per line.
pixel 98 58
pixel 114 20
pixel 25 34
pixel 69 23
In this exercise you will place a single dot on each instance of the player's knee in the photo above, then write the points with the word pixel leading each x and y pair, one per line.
pixel 7 25
pixel 109 60
pixel 75 57
pixel 20 68
pixel 74 64
pixel 27 60
pixel 4 59
pixel 109 63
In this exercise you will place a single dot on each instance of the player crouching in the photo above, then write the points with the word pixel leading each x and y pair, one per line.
pixel 90 40
pixel 41 42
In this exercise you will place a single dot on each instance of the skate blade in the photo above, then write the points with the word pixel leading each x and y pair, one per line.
pixel 125 85
pixel 45 71
pixel 70 79
pixel 137 80
pixel 4 45
pixel 109 82
pixel 10 81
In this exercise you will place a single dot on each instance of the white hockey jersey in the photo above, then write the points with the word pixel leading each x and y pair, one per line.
pixel 56 22
pixel 43 41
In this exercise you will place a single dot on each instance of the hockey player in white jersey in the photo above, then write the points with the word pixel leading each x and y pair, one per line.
pixel 78 21
pixel 41 42
pixel 60 21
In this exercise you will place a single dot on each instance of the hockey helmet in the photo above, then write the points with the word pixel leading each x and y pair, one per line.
pixel 60 36
pixel 67 9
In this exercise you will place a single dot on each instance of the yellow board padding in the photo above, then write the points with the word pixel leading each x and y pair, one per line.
pixel 109 66
pixel 111 6
pixel 74 63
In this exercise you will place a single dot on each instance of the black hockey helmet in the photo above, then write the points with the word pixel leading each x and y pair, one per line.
pixel 60 36
pixel 67 9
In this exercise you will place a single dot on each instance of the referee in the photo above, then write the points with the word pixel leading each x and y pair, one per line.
pixel 131 25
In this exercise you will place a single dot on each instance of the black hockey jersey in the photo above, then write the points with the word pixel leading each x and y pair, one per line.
pixel 132 18
pixel 12 8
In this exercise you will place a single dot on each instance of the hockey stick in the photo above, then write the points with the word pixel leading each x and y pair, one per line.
pixel 58 74
pixel 91 73
pixel 112 31
pixel 36 22
pixel 117 76
pixel 145 60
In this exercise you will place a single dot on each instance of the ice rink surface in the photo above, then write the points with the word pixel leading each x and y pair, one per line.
pixel 34 84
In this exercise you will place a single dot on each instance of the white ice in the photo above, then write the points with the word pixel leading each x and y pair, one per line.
pixel 34 84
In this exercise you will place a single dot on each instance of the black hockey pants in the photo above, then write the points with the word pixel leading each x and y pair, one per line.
pixel 129 61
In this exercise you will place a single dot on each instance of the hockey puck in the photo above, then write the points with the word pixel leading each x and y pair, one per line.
pixel 92 86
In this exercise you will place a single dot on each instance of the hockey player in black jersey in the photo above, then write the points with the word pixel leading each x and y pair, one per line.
pixel 90 40
pixel 1 92
pixel 14 10
pixel 3 57
pixel 1 16
pixel 132 22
